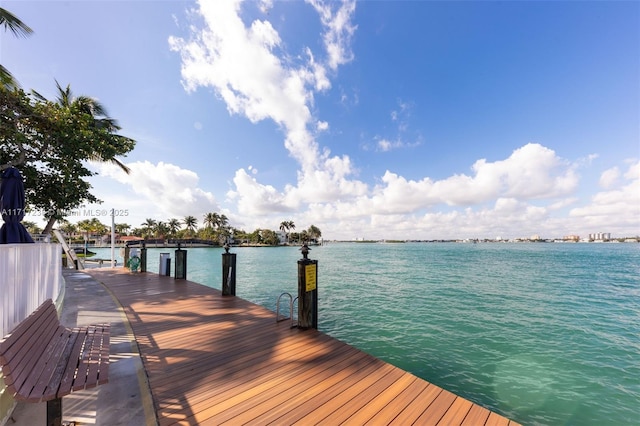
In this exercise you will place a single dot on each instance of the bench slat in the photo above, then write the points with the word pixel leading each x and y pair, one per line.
pixel 11 341
pixel 23 372
pixel 92 361
pixel 42 360
pixel 36 379
pixel 33 337
pixel 49 380
pixel 105 335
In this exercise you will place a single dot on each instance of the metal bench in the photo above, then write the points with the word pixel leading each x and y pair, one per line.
pixel 43 361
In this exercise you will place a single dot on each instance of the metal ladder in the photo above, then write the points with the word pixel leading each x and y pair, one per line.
pixel 292 301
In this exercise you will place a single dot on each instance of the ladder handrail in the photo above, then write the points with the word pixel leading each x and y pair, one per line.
pixel 291 302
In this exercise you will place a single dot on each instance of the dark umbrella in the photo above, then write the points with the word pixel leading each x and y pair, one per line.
pixel 12 208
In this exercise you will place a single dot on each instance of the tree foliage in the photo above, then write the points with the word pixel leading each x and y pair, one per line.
pixel 50 142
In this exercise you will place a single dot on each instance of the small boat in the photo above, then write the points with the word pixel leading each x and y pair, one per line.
pixel 80 252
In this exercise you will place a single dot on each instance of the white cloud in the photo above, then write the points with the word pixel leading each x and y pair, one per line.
pixel 241 63
pixel 337 38
pixel 615 210
pixel 609 177
pixel 171 190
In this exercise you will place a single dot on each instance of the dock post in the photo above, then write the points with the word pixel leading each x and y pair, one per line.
pixel 143 258
pixel 125 256
pixel 307 291
pixel 181 264
pixel 228 272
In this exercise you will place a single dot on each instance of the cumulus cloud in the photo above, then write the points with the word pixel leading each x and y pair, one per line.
pixel 337 38
pixel 615 209
pixel 609 177
pixel 171 190
pixel 241 63
pixel 531 172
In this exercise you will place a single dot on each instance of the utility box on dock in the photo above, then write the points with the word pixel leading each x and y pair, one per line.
pixel 165 264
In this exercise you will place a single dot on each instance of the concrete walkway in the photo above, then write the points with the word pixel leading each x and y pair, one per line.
pixel 126 399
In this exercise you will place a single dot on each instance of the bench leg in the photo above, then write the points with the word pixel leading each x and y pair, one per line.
pixel 54 412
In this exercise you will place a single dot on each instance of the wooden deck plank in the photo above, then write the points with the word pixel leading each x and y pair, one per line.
pixel 417 406
pixel 241 387
pixel 477 415
pixel 457 412
pixel 223 360
pixel 379 402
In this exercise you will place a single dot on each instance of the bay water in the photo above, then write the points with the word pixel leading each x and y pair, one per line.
pixel 543 333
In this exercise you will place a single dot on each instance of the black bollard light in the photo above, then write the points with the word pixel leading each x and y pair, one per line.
pixel 181 264
pixel 307 290
pixel 228 272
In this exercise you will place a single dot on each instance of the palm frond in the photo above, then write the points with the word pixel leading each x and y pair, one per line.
pixel 10 22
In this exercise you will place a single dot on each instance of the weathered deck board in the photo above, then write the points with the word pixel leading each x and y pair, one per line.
pixel 223 360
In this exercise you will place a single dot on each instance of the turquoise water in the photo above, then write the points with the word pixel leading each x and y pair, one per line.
pixel 542 333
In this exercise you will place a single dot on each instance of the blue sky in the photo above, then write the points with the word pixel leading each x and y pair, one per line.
pixel 373 119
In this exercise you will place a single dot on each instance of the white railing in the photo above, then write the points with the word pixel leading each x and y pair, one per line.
pixel 29 275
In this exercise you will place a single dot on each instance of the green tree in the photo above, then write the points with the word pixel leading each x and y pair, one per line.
pixel 32 227
pixel 211 220
pixel 161 229
pixel 314 233
pixel 67 227
pixel 148 227
pixel 269 237
pixel 190 223
pixel 51 142
pixel 284 227
pixel 174 226
pixel 101 120
pixel 122 228
pixel 19 29
pixel 92 228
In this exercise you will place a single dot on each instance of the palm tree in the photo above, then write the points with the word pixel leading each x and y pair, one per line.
pixel 122 228
pixel 211 220
pixel 148 227
pixel 93 108
pixel 173 225
pixel 284 227
pixel 19 29
pixel 162 229
pixel 223 221
pixel 67 227
pixel 190 222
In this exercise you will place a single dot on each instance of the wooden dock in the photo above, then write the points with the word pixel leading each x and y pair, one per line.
pixel 216 360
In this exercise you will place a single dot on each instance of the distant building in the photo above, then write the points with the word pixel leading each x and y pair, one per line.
pixel 282 237
pixel 600 236
pixel 575 238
